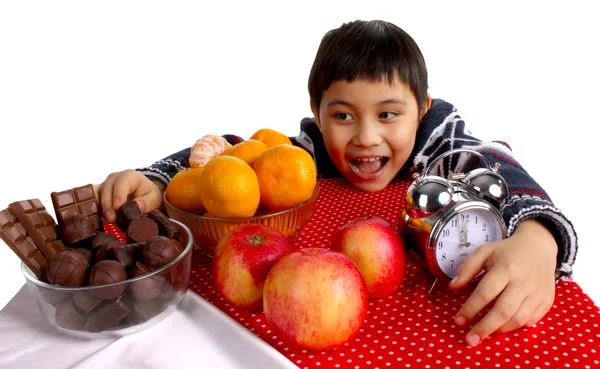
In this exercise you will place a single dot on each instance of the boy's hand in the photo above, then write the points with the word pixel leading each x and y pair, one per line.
pixel 519 271
pixel 119 187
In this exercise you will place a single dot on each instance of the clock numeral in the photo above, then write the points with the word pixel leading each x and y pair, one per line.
pixel 475 220
pixel 467 218
pixel 444 257
pixel 487 238
pixel 454 223
pixel 484 227
pixel 445 233
pixel 451 263
pixel 440 245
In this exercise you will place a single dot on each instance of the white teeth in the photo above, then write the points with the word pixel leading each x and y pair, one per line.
pixel 369 159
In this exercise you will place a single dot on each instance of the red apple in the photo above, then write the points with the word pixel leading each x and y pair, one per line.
pixel 378 251
pixel 316 298
pixel 242 260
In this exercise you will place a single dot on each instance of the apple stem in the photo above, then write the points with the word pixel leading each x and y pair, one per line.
pixel 256 240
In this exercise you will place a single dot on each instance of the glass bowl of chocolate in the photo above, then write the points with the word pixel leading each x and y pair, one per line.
pixel 117 282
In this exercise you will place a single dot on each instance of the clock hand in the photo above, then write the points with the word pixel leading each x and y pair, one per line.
pixel 465 231
pixel 458 242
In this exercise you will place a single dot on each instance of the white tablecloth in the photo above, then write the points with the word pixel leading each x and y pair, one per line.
pixel 195 335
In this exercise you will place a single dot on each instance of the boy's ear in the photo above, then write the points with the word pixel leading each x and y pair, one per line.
pixel 427 106
pixel 315 114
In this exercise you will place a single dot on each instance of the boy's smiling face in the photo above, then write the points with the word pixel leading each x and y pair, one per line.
pixel 369 129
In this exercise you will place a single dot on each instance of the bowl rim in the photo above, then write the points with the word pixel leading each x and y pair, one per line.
pixel 190 244
pixel 312 197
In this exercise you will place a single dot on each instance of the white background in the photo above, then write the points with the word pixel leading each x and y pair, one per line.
pixel 88 88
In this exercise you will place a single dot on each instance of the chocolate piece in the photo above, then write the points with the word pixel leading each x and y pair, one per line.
pixel 101 253
pixel 160 251
pixel 149 287
pixel 166 227
pixel 79 200
pixel 107 272
pixel 100 239
pixel 126 254
pixel 141 230
pixel 77 228
pixel 129 212
pixel 53 297
pixel 68 317
pixel 108 314
pixel 39 224
pixel 178 277
pixel 15 236
pixel 89 256
pixel 67 268
pixel 144 311
pixel 85 302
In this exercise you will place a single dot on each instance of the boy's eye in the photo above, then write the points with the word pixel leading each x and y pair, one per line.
pixel 387 115
pixel 342 116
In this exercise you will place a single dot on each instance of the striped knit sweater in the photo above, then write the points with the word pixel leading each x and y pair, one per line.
pixel 441 129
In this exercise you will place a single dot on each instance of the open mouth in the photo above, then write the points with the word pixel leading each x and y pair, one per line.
pixel 369 166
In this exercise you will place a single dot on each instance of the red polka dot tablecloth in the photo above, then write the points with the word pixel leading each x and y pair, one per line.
pixel 410 328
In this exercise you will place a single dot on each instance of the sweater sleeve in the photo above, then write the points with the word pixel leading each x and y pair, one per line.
pixel 442 129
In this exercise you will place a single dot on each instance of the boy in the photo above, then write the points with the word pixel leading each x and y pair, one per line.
pixel 374 121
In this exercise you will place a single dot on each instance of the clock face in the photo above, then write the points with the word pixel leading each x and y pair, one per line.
pixel 461 235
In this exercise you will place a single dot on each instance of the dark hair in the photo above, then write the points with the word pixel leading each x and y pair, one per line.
pixel 371 50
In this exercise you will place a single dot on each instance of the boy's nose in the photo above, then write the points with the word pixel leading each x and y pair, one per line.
pixel 367 135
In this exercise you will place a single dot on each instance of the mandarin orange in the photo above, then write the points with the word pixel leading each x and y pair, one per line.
pixel 183 191
pixel 270 137
pixel 247 150
pixel 229 188
pixel 206 148
pixel 287 176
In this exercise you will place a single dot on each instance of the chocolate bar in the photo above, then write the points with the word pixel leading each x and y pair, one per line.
pixel 79 200
pixel 15 236
pixel 77 228
pixel 39 224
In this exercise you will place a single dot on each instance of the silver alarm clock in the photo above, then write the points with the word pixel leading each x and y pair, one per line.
pixel 445 219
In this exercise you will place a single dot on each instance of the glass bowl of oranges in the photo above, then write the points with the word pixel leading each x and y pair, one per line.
pixel 208 230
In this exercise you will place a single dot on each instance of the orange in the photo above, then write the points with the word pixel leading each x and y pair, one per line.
pixel 271 137
pixel 183 191
pixel 206 148
pixel 248 150
pixel 287 176
pixel 229 188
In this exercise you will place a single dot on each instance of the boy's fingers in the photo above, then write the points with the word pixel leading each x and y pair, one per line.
pixel 504 309
pixel 471 267
pixel 539 313
pixel 105 193
pixel 148 200
pixel 124 185
pixel 488 288
pixel 521 316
